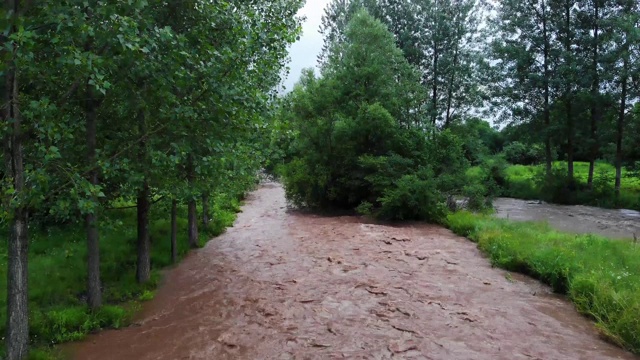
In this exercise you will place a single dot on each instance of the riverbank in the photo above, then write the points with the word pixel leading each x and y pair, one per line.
pixel 525 182
pixel 283 284
pixel 612 223
pixel 600 276
pixel 57 268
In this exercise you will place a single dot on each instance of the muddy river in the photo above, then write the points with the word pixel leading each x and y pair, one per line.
pixel 617 224
pixel 286 285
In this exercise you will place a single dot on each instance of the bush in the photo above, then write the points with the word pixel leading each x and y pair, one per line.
pixel 413 198
pixel 601 276
pixel 556 187
pixel 477 197
pixel 496 168
pixel 521 154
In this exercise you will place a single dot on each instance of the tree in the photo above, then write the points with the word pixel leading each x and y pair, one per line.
pixel 17 285
pixel 628 39
pixel 362 138
pixel 194 79
pixel 564 29
pixel 592 17
pixel 440 38
pixel 524 53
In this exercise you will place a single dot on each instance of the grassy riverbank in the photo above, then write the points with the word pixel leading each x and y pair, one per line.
pixel 600 276
pixel 523 182
pixel 57 271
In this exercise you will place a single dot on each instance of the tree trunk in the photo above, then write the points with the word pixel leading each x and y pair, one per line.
pixel 143 204
pixel 570 145
pixel 17 334
pixel 569 94
pixel 174 231
pixel 94 293
pixel 193 224
pixel 547 112
pixel 620 122
pixel 17 288
pixel 595 96
pixel 434 88
pixel 143 268
pixel 191 206
pixel 205 210
pixel 447 120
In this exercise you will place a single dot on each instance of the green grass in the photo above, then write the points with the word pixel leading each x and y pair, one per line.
pixel 522 184
pixel 600 276
pixel 57 272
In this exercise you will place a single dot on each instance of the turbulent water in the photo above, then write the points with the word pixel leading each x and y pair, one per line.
pixel 617 224
pixel 287 285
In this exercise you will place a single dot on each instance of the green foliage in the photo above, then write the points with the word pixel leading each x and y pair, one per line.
pixel 437 38
pixel 477 197
pixel 57 264
pixel 601 276
pixel 531 183
pixel 362 140
pixel 521 154
pixel 129 102
pixel 479 139
pixel 413 197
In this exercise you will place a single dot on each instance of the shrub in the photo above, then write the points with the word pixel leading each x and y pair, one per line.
pixel 477 197
pixel 496 168
pixel 519 153
pixel 556 187
pixel 413 198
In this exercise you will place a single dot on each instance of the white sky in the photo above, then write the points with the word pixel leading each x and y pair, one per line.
pixel 304 53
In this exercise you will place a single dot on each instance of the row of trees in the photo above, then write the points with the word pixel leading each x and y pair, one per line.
pixel 440 38
pixel 571 68
pixel 135 100
pixel 566 70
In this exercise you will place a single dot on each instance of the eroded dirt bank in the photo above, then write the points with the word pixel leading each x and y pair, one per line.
pixel 616 224
pixel 292 286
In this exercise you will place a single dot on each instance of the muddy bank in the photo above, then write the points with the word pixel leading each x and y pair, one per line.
pixel 283 285
pixel 617 224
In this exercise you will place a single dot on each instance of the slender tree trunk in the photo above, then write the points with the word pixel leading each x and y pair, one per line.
pixel 191 207
pixel 621 119
pixel 452 78
pixel 17 334
pixel 595 96
pixel 17 288
pixel 570 144
pixel 143 265
pixel 174 231
pixel 434 88
pixel 193 223
pixel 94 292
pixel 205 210
pixel 568 94
pixel 595 148
pixel 435 64
pixel 143 269
pixel 547 112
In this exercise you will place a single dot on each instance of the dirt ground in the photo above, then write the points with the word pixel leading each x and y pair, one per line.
pixel 287 285
pixel 616 224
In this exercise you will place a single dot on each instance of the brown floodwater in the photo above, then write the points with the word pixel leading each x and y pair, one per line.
pixel 617 224
pixel 286 285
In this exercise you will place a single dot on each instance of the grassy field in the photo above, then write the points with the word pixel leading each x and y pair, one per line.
pixel 522 183
pixel 600 276
pixel 57 272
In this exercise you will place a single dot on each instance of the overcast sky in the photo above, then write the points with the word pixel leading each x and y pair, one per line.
pixel 304 53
